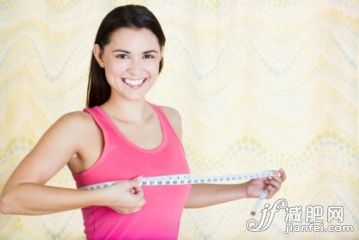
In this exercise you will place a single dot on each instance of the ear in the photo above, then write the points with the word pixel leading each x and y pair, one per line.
pixel 97 52
pixel 162 52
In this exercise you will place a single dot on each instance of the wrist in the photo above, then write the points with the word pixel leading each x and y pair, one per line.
pixel 245 190
pixel 242 191
pixel 95 197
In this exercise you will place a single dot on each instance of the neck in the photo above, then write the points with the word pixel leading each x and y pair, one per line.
pixel 136 111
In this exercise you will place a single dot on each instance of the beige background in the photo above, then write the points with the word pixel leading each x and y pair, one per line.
pixel 259 84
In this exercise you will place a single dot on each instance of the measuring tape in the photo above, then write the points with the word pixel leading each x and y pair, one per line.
pixel 186 179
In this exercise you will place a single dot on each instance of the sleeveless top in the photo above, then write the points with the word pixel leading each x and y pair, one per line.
pixel 121 159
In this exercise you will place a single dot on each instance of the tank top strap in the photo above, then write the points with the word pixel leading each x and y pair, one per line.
pixel 166 124
pixel 108 128
pixel 101 121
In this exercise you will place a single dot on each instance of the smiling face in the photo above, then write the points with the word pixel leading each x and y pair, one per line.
pixel 131 61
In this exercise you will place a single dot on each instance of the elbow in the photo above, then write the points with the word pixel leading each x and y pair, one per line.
pixel 8 204
pixel 4 205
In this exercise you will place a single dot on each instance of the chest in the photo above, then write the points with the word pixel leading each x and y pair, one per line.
pixel 148 135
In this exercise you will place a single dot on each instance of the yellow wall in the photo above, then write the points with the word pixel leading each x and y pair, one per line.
pixel 259 84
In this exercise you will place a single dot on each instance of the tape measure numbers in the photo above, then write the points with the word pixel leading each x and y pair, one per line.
pixel 185 179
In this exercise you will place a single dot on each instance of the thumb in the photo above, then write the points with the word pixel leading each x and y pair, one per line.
pixel 135 184
pixel 136 181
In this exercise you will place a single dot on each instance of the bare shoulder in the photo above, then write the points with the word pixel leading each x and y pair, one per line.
pixel 175 119
pixel 172 114
pixel 76 117
pixel 54 149
pixel 76 124
pixel 75 121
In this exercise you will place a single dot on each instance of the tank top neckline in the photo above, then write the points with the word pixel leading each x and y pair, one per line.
pixel 118 132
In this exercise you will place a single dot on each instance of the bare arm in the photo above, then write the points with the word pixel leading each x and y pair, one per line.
pixel 203 195
pixel 36 199
pixel 25 191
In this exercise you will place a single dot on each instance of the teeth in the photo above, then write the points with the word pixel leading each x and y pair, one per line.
pixel 134 82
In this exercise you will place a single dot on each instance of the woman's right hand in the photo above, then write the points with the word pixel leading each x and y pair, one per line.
pixel 125 196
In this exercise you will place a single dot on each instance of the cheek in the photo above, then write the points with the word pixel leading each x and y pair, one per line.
pixel 112 73
pixel 153 67
pixel 115 68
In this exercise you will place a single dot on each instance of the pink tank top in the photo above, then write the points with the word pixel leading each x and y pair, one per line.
pixel 121 159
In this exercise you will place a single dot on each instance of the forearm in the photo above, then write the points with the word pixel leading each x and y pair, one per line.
pixel 203 195
pixel 35 199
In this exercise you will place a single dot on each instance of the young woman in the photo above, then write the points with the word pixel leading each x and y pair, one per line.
pixel 120 136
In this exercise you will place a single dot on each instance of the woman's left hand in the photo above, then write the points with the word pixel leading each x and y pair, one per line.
pixel 255 187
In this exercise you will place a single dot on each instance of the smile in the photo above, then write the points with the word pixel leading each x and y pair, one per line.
pixel 134 83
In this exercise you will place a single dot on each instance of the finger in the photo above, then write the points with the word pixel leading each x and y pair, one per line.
pixel 136 207
pixel 271 187
pixel 279 175
pixel 275 172
pixel 138 199
pixel 141 202
pixel 134 204
pixel 136 210
pixel 277 179
pixel 274 183
pixel 136 182
pixel 271 191
pixel 137 190
pixel 282 174
pixel 128 210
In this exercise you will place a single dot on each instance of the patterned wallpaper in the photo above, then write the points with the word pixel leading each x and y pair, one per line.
pixel 259 84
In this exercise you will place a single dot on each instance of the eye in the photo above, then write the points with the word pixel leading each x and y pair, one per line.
pixel 122 56
pixel 148 56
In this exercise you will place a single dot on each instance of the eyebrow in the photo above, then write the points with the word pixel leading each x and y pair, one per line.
pixel 145 52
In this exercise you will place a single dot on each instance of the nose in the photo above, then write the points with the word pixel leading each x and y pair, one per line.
pixel 135 67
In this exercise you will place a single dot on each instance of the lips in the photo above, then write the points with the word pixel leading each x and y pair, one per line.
pixel 134 83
